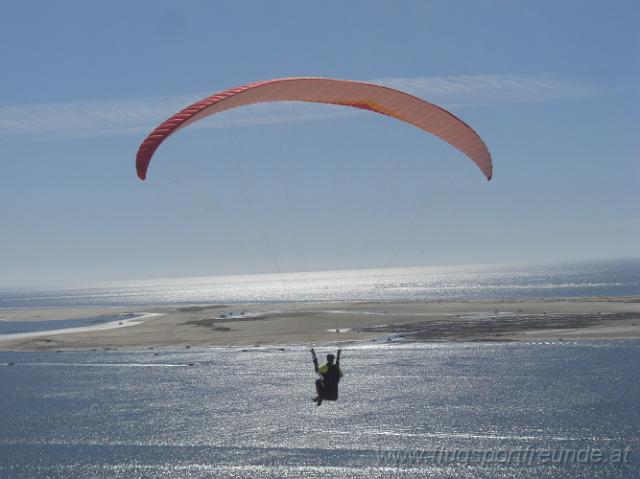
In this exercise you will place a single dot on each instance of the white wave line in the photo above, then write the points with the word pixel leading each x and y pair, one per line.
pixel 118 323
pixel 105 365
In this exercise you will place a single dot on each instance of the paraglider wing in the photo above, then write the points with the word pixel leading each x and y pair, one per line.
pixel 367 96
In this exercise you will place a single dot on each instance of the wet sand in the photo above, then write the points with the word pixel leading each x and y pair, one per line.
pixel 313 323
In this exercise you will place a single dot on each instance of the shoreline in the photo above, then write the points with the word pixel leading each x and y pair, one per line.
pixel 276 324
pixel 135 319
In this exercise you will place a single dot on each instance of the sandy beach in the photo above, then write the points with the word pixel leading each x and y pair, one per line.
pixel 292 323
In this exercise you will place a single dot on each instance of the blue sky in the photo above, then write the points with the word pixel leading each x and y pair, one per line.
pixel 551 87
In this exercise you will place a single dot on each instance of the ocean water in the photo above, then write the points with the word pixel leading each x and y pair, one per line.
pixel 459 410
pixel 500 282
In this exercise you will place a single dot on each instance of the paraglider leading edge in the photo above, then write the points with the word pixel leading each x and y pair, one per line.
pixel 368 96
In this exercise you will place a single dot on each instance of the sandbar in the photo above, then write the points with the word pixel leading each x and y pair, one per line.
pixel 220 325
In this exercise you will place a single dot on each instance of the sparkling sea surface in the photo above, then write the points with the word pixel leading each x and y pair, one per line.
pixel 459 410
pixel 454 410
pixel 502 282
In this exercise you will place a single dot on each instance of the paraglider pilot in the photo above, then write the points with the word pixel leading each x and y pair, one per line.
pixel 327 385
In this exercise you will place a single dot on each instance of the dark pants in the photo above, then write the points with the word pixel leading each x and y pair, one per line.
pixel 326 392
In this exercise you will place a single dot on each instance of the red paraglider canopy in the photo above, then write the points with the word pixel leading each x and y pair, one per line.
pixel 368 96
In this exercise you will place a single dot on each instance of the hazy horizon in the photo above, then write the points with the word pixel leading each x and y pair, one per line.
pixel 277 276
